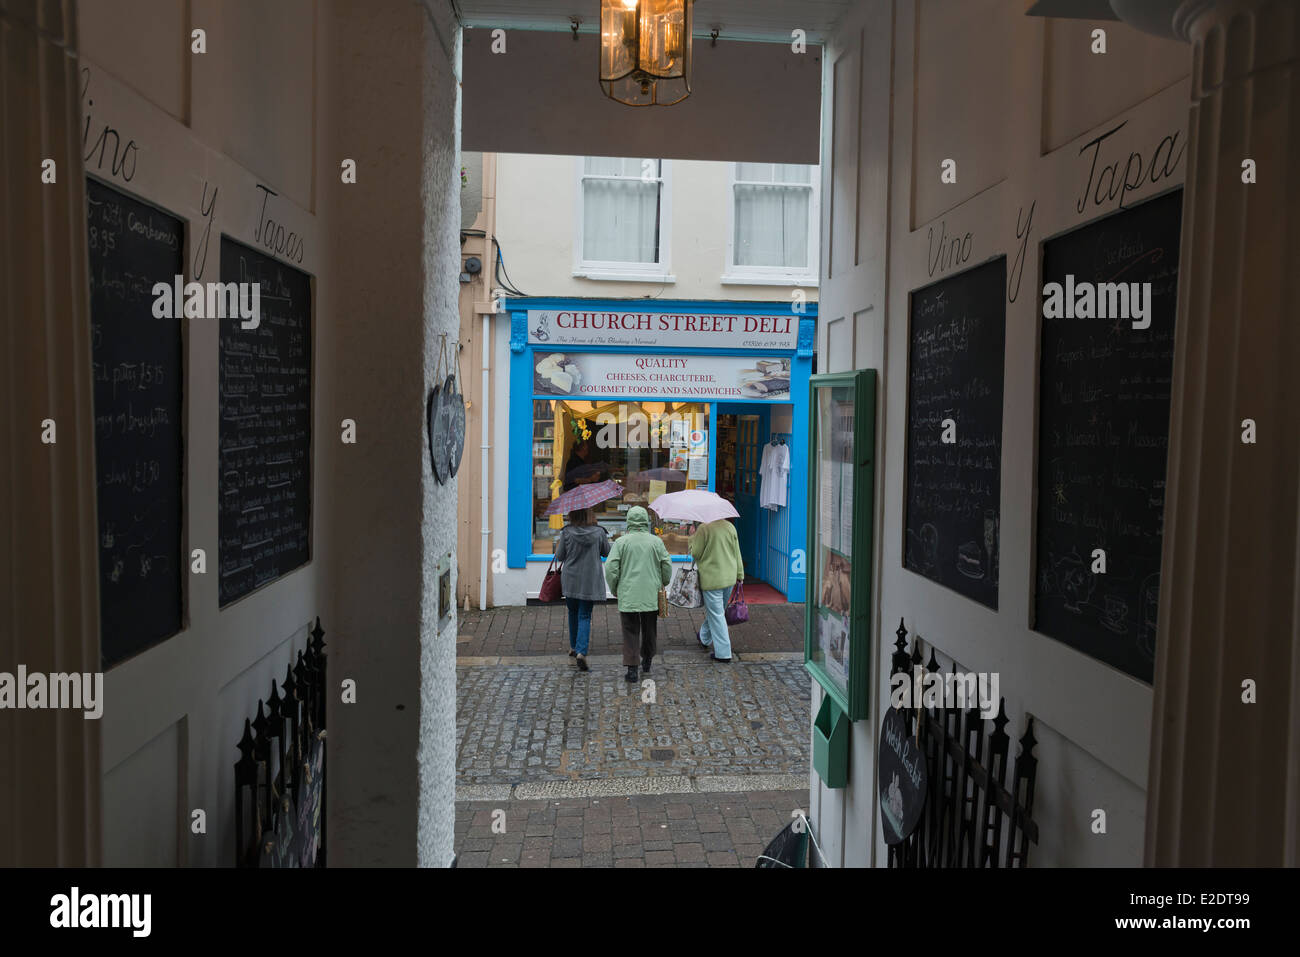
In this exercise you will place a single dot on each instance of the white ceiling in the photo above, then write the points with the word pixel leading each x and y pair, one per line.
pixel 736 19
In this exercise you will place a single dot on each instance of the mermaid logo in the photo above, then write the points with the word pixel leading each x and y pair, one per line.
pixel 542 332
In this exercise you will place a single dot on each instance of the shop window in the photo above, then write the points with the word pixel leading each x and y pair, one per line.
pixel 649 448
pixel 773 224
pixel 624 216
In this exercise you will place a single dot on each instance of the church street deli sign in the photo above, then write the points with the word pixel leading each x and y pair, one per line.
pixel 548 327
pixel 580 375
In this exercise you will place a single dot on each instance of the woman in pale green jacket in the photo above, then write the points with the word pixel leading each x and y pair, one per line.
pixel 716 550
pixel 637 567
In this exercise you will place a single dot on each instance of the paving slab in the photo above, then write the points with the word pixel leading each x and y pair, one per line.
pixel 544 630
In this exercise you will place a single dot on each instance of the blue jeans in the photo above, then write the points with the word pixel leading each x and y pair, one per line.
pixel 579 624
pixel 714 630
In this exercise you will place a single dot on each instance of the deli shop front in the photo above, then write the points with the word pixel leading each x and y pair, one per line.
pixel 659 396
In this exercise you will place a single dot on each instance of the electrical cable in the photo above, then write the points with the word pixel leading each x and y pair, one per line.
pixel 506 272
pixel 502 275
pixel 500 282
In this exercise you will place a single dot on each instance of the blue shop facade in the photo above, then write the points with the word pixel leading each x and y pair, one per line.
pixel 661 396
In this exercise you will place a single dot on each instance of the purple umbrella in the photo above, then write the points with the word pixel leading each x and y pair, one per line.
pixel 584 496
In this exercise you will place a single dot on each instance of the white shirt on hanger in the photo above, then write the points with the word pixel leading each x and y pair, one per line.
pixel 773 470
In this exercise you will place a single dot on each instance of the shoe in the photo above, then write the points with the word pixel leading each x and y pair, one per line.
pixel 631 673
pixel 582 662
pixel 572 653
pixel 721 661
pixel 645 666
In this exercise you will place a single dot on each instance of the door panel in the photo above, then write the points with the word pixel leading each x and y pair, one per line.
pixel 751 436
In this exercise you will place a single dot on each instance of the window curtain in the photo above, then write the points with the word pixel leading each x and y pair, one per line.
pixel 620 216
pixel 771 220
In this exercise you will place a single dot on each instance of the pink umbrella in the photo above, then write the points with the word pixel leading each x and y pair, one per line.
pixel 584 496
pixel 693 505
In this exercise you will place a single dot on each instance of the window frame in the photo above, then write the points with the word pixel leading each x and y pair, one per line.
pixel 774 275
pixel 660 271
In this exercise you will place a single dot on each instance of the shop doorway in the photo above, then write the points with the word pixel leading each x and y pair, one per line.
pixel 744 431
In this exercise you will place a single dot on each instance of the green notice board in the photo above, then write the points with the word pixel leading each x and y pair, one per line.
pixel 842 466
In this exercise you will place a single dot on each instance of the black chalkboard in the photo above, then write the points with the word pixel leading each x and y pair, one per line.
pixel 264 502
pixel 139 460
pixel 1103 440
pixel 955 362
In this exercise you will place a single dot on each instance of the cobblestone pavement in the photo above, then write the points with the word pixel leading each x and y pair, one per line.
pixel 700 766
pixel 544 629
pixel 547 721
pixel 675 830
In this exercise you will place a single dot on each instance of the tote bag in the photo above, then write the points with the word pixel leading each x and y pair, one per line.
pixel 737 612
pixel 684 589
pixel 552 590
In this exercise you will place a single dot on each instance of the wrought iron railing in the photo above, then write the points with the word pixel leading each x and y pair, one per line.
pixel 280 774
pixel 970 818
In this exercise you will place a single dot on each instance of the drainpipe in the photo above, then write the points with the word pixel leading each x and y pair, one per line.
pixel 485 449
pixel 485 414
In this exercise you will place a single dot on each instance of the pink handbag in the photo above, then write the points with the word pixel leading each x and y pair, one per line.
pixel 737 612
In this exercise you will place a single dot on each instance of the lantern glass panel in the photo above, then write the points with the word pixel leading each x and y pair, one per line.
pixel 617 39
pixel 663 37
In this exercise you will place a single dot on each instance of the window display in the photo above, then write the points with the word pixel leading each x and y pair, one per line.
pixel 577 442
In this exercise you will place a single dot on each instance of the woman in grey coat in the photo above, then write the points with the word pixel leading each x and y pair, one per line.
pixel 582 544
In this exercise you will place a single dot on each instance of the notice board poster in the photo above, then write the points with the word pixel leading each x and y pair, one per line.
pixel 954 431
pixel 264 505
pixel 836 410
pixel 1103 442
pixel 137 368
pixel 840 539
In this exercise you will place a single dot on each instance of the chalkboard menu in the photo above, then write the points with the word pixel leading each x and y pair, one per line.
pixel 264 505
pixel 1103 440
pixel 954 431
pixel 139 464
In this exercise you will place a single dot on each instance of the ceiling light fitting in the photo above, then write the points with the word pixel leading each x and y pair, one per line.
pixel 645 51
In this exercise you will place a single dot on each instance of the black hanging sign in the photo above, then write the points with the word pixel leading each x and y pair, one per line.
pixel 456 420
pixel 139 461
pixel 432 411
pixel 456 433
pixel 902 777
pixel 446 416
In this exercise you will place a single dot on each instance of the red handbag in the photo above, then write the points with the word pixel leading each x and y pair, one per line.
pixel 552 590
pixel 737 612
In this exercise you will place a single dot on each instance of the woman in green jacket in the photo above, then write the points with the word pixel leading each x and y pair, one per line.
pixel 716 550
pixel 637 567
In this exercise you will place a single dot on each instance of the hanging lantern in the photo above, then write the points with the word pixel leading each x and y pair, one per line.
pixel 645 51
